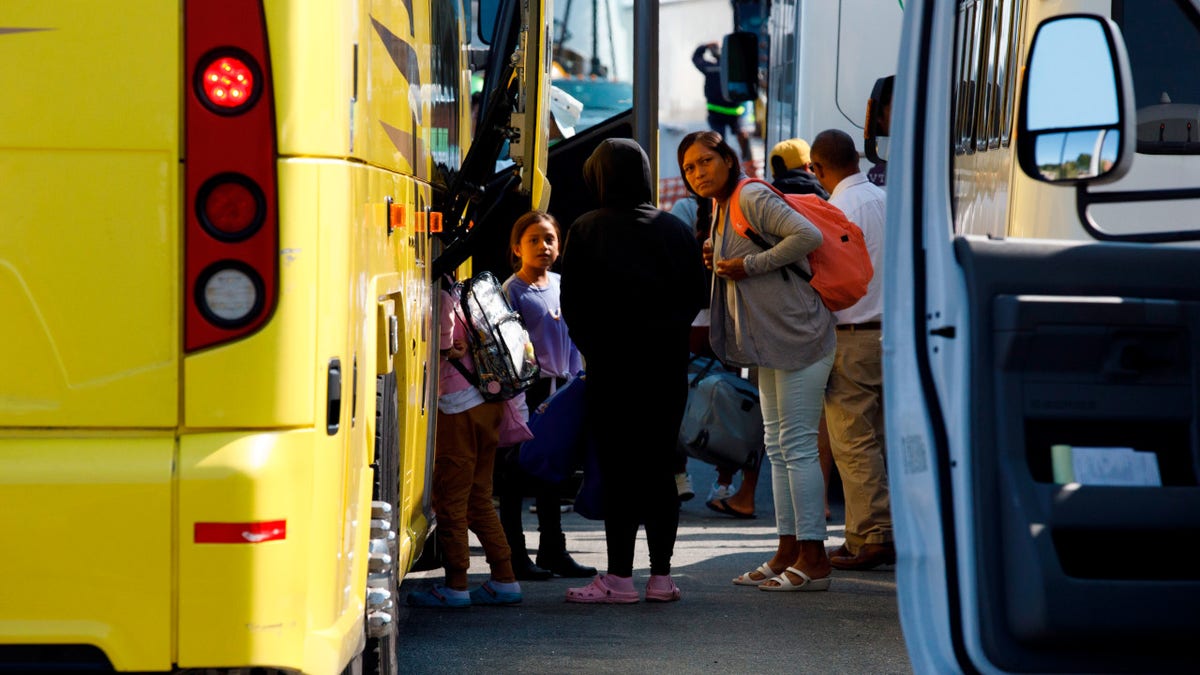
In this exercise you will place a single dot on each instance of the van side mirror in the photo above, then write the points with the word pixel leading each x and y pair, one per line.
pixel 878 123
pixel 739 66
pixel 1077 122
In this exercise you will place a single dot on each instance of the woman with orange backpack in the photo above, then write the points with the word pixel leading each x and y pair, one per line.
pixel 766 316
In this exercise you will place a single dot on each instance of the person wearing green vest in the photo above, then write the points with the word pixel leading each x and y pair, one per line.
pixel 728 118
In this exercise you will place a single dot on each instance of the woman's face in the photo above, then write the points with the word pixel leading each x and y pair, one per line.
pixel 705 170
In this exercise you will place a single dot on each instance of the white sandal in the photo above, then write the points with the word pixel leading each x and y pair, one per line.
pixel 807 583
pixel 763 569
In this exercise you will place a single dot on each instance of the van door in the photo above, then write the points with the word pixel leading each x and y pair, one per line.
pixel 1041 395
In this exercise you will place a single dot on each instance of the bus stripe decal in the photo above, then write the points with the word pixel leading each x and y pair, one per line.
pixel 405 58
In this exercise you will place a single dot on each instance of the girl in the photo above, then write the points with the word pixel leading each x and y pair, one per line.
pixel 468 431
pixel 533 291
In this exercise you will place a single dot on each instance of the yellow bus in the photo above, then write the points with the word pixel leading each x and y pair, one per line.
pixel 219 224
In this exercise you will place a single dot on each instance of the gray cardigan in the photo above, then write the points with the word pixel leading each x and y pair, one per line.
pixel 772 318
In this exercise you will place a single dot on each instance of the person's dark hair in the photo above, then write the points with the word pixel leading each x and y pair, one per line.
pixel 835 149
pixel 518 231
pixel 713 141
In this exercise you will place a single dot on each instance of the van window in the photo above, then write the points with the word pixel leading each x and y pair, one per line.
pixel 1163 43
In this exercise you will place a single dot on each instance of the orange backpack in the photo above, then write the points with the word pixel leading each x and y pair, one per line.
pixel 841 265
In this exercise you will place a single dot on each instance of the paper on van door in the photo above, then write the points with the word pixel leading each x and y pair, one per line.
pixel 1107 466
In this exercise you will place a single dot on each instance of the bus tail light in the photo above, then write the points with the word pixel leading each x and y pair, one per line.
pixel 231 207
pixel 229 294
pixel 231 235
pixel 228 82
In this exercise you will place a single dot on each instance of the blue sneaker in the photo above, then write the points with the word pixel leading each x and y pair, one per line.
pixel 437 597
pixel 487 594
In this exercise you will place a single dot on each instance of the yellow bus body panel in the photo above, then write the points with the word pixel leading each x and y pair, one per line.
pixel 264 603
pixel 87 526
pixel 89 197
pixel 272 377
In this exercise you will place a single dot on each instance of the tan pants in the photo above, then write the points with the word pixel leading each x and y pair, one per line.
pixel 465 456
pixel 854 415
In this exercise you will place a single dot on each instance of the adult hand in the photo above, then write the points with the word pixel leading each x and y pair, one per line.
pixel 732 268
pixel 706 250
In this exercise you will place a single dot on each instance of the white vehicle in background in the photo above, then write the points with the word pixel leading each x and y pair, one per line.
pixel 824 60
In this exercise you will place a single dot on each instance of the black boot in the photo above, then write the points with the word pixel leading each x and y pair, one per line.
pixel 552 555
pixel 522 566
pixel 526 570
pixel 510 520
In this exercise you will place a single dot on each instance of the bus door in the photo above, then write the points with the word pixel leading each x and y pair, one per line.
pixel 507 159
pixel 587 95
pixel 1043 419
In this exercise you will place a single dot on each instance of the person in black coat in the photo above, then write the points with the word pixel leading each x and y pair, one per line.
pixel 632 282
pixel 790 174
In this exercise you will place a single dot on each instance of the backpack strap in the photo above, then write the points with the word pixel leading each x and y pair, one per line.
pixel 703 372
pixel 470 377
pixel 743 227
pixel 457 362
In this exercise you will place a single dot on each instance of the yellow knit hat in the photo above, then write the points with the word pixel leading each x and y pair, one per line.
pixel 794 152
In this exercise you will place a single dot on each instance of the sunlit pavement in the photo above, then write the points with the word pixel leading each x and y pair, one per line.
pixel 716 628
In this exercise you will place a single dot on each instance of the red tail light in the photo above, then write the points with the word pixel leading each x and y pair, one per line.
pixel 230 206
pixel 229 82
pixel 231 238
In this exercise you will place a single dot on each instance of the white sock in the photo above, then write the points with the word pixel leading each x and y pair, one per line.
pixel 507 586
pixel 454 593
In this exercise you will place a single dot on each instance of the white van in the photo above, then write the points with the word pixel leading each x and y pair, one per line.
pixel 1042 308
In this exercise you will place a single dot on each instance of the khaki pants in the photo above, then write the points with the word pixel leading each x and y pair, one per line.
pixel 464 459
pixel 854 416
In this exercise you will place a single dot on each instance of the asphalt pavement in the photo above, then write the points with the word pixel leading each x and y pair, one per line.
pixel 717 628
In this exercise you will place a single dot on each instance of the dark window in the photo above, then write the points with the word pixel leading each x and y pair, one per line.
pixel 1163 41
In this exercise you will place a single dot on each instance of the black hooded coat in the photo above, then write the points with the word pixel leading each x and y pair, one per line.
pixel 632 282
pixel 632 275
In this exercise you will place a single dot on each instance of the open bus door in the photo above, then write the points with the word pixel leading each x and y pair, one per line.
pixel 513 115
pixel 1003 356
pixel 616 102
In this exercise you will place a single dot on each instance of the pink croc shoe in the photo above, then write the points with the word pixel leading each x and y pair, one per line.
pixel 605 589
pixel 661 588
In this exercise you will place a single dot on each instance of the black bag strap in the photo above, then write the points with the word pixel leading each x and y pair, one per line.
pixel 471 377
pixel 703 372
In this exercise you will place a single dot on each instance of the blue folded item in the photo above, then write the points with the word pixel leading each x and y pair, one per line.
pixel 557 424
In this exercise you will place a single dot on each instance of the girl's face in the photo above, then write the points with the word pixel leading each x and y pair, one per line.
pixel 705 170
pixel 539 246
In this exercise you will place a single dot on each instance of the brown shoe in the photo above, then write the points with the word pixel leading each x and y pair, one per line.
pixel 869 557
pixel 840 552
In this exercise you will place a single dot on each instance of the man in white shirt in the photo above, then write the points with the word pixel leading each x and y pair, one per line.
pixel 854 395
